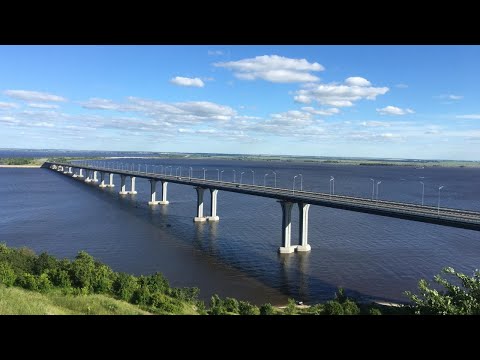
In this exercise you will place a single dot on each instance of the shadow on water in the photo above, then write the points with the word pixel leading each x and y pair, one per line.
pixel 290 272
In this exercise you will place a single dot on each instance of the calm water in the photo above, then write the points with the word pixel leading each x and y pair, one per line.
pixel 370 256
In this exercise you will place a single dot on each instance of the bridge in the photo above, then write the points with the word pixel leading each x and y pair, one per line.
pixel 286 197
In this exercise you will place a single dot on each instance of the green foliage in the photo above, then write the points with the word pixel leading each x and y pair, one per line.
pixel 16 161
pixel 245 308
pixel 7 275
pixel 20 260
pixel 340 295
pixel 44 262
pixel 291 308
pixel 124 286
pixel 157 283
pixel 27 281
pixel 375 311
pixel 43 283
pixel 333 308
pixel 165 304
pixel 267 309
pixel 317 309
pixel 82 271
pixel 231 305
pixel 460 298
pixel 60 278
pixel 350 308
pixel 185 294
pixel 216 306
pixel 102 279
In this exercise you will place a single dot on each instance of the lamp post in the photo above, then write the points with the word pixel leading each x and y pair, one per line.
pixel 218 175
pixel 373 188
pixel 221 173
pixel 190 174
pixel 423 190
pixel 265 180
pixel 293 188
pixel 275 174
pixel 438 205
pixel 378 183
pixel 301 182
pixel 241 175
pixel 253 177
pixel 204 171
pixel 332 183
pixel 234 176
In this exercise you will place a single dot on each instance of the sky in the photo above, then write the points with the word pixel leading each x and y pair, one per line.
pixel 413 102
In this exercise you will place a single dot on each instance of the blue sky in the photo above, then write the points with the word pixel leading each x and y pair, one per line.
pixel 363 101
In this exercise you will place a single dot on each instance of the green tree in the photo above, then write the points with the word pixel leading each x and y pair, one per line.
pixel 7 275
pixel 124 286
pixel 291 308
pixel 267 309
pixel 245 308
pixel 82 271
pixel 43 263
pixel 102 279
pixel 460 298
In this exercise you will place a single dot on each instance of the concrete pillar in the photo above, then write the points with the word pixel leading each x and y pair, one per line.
pixel 213 206
pixel 153 193
pixel 95 179
pixel 102 180
pixel 132 185
pixel 164 200
pixel 65 170
pixel 87 180
pixel 81 173
pixel 122 185
pixel 286 247
pixel 74 173
pixel 111 181
pixel 70 170
pixel 303 227
pixel 199 217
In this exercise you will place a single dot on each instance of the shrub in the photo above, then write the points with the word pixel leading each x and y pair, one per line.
pixel 82 271
pixel 350 308
pixel 27 281
pixel 43 283
pixel 7 275
pixel 267 309
pixel 142 296
pixel 245 308
pixel 165 304
pixel 462 298
pixel 231 305
pixel 291 308
pixel 102 279
pixel 43 263
pixel 317 309
pixel 333 308
pixel 375 311
pixel 124 286
pixel 216 306
pixel 60 278
pixel 157 282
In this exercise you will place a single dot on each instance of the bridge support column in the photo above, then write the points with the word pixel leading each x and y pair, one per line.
pixel 153 193
pixel 132 185
pixel 70 170
pixel 213 206
pixel 87 180
pixel 80 175
pixel 102 180
pixel 286 247
pixel 122 185
pixel 164 200
pixel 95 178
pixel 74 173
pixel 303 227
pixel 111 181
pixel 199 217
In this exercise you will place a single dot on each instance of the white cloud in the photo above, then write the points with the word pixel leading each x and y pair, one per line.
pixel 273 68
pixel 354 89
pixel 393 110
pixel 357 81
pixel 375 124
pixel 43 124
pixel 5 105
pixel 401 86
pixel 326 112
pixel 185 81
pixel 8 120
pixel 450 97
pixel 33 95
pixel 43 106
pixel 215 52
pixel 470 116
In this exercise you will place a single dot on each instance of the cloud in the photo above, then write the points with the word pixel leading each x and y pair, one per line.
pixel 354 89
pixel 43 106
pixel 326 112
pixel 43 124
pixel 401 86
pixel 184 81
pixel 33 95
pixel 375 124
pixel 273 68
pixel 9 120
pixel 215 52
pixel 469 116
pixel 393 110
pixel 450 97
pixel 6 105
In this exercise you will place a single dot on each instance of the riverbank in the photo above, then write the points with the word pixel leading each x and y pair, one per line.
pixel 21 166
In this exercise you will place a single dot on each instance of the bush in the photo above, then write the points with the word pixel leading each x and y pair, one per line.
pixel 158 282
pixel 20 260
pixel 124 286
pixel 43 283
pixel 82 271
pixel 7 275
pixel 267 309
pixel 317 309
pixel 231 305
pixel 27 281
pixel 216 306
pixel 350 308
pixel 43 263
pixel 462 298
pixel 102 279
pixel 333 308
pixel 60 278
pixel 291 308
pixel 245 308
pixel 375 311
pixel 142 296
pixel 165 304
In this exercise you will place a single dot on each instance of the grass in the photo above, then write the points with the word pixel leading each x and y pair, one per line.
pixel 16 301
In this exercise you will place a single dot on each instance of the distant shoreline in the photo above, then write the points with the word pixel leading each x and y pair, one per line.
pixel 21 166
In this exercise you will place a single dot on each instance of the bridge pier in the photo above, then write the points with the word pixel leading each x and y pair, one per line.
pixel 199 217
pixel 80 175
pixel 286 247
pixel 87 180
pixel 102 180
pixel 164 200
pixel 303 227
pixel 153 193
pixel 70 170
pixel 122 185
pixel 95 178
pixel 111 181
pixel 132 185
pixel 213 206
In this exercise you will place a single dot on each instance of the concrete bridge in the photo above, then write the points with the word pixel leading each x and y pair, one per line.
pixel 286 197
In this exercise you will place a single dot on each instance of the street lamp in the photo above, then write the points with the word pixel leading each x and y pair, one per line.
pixel 438 205
pixel 373 188
pixel 378 183
pixel 204 170
pixel 241 175
pixel 264 180
pixel 275 174
pixel 293 188
pixel 301 182
pixel 253 177
pixel 423 190
pixel 332 185
pixel 221 173
pixel 234 175
pixel 190 174
pixel 218 175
